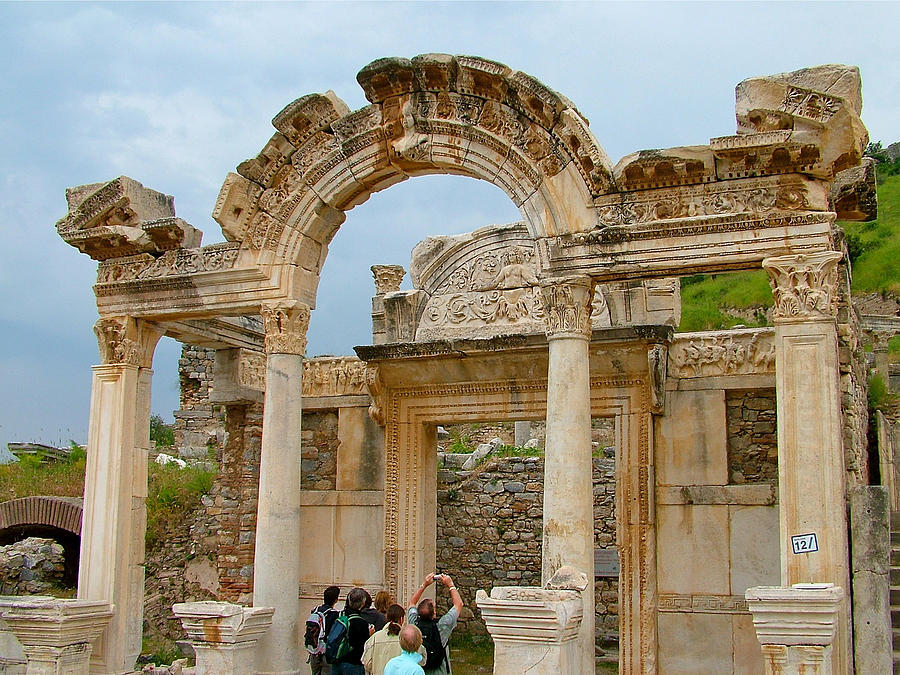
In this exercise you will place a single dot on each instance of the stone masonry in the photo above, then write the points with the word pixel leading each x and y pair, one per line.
pixel 198 424
pixel 752 443
pixel 33 566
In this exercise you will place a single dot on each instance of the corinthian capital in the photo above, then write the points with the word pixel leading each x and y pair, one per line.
pixel 126 341
pixel 804 286
pixel 567 306
pixel 387 278
pixel 285 325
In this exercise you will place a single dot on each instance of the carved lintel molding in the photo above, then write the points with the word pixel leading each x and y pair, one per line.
pixel 126 341
pixel 387 278
pixel 805 286
pixel 567 306
pixel 285 326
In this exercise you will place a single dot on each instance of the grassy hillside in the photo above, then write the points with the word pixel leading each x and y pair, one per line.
pixel 712 302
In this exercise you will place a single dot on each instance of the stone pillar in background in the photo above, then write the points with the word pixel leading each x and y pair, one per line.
pixel 796 627
pixel 880 340
pixel 568 537
pixel 276 571
pixel 115 488
pixel 522 433
pixel 811 473
pixel 387 280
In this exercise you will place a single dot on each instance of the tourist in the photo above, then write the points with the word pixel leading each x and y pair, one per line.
pixel 384 645
pixel 317 663
pixel 383 600
pixel 435 632
pixel 407 663
pixel 351 662
pixel 372 615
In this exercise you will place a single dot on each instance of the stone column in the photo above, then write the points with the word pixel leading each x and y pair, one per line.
pixel 56 635
pixel 276 571
pixel 224 636
pixel 880 340
pixel 112 539
pixel 811 473
pixel 387 280
pixel 796 627
pixel 568 537
pixel 522 432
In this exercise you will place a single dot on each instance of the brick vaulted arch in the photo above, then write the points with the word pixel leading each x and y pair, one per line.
pixel 63 513
pixel 432 114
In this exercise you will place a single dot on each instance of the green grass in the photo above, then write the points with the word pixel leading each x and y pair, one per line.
pixel 517 451
pixel 708 301
pixel 173 493
pixel 876 267
pixel 29 477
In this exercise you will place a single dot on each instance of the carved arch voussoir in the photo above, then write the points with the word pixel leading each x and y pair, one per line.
pixel 435 113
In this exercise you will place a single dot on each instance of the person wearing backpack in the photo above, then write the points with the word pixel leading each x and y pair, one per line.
pixel 318 625
pixel 435 632
pixel 348 636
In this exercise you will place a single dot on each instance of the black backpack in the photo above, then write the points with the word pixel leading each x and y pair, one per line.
pixel 431 640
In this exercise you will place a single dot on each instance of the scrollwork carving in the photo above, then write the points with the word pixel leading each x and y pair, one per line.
pixel 567 306
pixel 804 286
pixel 285 326
pixel 171 263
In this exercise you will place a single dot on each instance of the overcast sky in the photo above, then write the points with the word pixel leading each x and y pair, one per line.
pixel 176 95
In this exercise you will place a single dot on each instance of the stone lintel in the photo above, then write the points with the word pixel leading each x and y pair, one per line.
pixel 341 497
pixel 763 494
pixel 720 382
pixel 331 402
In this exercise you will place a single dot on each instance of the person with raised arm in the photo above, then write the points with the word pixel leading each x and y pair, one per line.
pixel 435 631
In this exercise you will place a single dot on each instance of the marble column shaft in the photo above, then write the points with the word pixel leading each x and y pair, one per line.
pixel 568 520
pixel 276 570
pixel 811 467
pixel 115 493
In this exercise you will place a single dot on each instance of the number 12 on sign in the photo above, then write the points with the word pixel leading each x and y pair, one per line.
pixel 804 543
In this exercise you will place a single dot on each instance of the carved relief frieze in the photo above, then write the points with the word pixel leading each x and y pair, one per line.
pixel 387 278
pixel 813 105
pixel 567 306
pixel 804 286
pixel 481 308
pixel 285 327
pixel 689 227
pixel 512 267
pixel 340 376
pixel 252 370
pixel 180 262
pixel 740 352
pixel 757 196
pixel 702 603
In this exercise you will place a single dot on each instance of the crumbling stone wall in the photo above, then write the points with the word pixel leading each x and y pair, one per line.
pixel 33 566
pixel 198 424
pixel 854 387
pixel 489 528
pixel 319 437
pixel 752 435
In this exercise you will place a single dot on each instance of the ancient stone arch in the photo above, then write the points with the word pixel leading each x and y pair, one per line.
pixel 58 512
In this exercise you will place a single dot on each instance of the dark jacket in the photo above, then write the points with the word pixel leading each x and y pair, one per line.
pixel 374 617
pixel 358 634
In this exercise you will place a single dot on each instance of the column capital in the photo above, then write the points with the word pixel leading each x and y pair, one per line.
pixel 805 286
pixel 387 278
pixel 123 340
pixel 567 306
pixel 285 326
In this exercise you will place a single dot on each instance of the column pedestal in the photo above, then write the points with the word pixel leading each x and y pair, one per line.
pixel 535 630
pixel 796 627
pixel 568 535
pixel 276 569
pixel 56 635
pixel 224 636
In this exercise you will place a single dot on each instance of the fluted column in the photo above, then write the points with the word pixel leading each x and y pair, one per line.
pixel 276 572
pixel 115 488
pixel 811 471
pixel 568 537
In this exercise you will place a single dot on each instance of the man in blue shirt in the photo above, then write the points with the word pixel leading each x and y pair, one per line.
pixel 407 663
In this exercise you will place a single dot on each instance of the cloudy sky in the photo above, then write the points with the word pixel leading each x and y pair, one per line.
pixel 176 95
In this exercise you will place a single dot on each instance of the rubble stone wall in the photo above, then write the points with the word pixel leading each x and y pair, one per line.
pixel 489 528
pixel 752 435
pixel 33 566
pixel 198 424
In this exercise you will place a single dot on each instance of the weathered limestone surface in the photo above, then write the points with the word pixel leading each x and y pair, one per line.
pixel 870 537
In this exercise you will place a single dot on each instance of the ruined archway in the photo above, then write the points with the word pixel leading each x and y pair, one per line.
pixel 429 115
pixel 56 518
